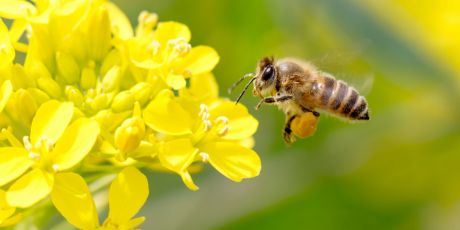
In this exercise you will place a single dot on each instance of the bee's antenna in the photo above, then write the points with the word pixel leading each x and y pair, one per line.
pixel 244 90
pixel 230 90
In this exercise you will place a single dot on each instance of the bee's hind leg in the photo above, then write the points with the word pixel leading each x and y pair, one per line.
pixel 287 131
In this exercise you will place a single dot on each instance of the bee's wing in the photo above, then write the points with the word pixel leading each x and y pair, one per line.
pixel 350 67
pixel 363 83
pixel 341 58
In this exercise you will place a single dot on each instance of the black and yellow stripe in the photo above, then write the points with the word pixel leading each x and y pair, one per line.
pixel 339 98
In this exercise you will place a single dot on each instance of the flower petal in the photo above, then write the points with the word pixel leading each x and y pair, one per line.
pixel 232 160
pixel 120 22
pixel 5 92
pixel 12 9
pixel 134 223
pixel 7 52
pixel 73 200
pixel 13 163
pixel 75 143
pixel 241 123
pixel 201 59
pixel 177 155
pixel 130 185
pixel 12 220
pixel 5 209
pixel 188 181
pixel 165 115
pixel 171 30
pixel 50 121
pixel 203 88
pixel 175 81
pixel 30 188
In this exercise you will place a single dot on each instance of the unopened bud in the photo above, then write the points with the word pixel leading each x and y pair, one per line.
pixel 142 92
pixel 74 95
pixel 123 101
pixel 88 78
pixel 100 102
pixel 130 133
pixel 67 67
pixel 111 80
pixel 50 86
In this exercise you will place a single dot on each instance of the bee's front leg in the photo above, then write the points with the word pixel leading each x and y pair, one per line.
pixel 270 100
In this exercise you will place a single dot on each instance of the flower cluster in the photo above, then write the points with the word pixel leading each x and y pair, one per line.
pixel 83 95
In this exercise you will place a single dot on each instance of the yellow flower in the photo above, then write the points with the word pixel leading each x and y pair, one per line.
pixel 167 53
pixel 96 93
pixel 127 194
pixel 53 146
pixel 214 133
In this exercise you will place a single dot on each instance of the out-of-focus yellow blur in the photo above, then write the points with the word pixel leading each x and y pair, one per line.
pixel 400 170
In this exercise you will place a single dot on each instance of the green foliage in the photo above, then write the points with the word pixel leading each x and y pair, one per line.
pixel 397 171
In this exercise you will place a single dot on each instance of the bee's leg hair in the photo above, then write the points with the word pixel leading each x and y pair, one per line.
pixel 270 100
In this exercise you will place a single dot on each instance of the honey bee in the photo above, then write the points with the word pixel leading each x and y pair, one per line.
pixel 299 89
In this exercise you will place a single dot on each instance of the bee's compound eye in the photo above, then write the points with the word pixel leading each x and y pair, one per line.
pixel 268 73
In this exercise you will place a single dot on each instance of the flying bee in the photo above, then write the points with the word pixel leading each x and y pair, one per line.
pixel 299 89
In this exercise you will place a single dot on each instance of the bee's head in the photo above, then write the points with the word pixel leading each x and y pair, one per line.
pixel 264 79
pixel 265 76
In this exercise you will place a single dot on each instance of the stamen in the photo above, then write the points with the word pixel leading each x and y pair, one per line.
pixel 222 120
pixel 27 143
pixel 34 156
pixel 204 157
pixel 28 31
pixel 180 46
pixel 154 46
pixel 55 167
pixel 147 18
pixel 207 125
pixel 3 47
pixel 49 145
pixel 204 115
pixel 8 134
pixel 203 109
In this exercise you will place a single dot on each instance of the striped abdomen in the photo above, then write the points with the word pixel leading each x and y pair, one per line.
pixel 337 97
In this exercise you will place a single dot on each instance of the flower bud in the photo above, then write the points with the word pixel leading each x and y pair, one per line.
pixel 74 95
pixel 100 102
pixel 111 59
pixel 111 80
pixel 26 106
pixel 67 67
pixel 130 133
pixel 100 36
pixel 142 92
pixel 50 86
pixel 21 79
pixel 39 96
pixel 123 101
pixel 88 78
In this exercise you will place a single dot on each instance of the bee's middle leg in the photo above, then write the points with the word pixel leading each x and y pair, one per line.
pixel 316 114
pixel 270 100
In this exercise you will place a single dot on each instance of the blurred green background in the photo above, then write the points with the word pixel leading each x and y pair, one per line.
pixel 400 170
